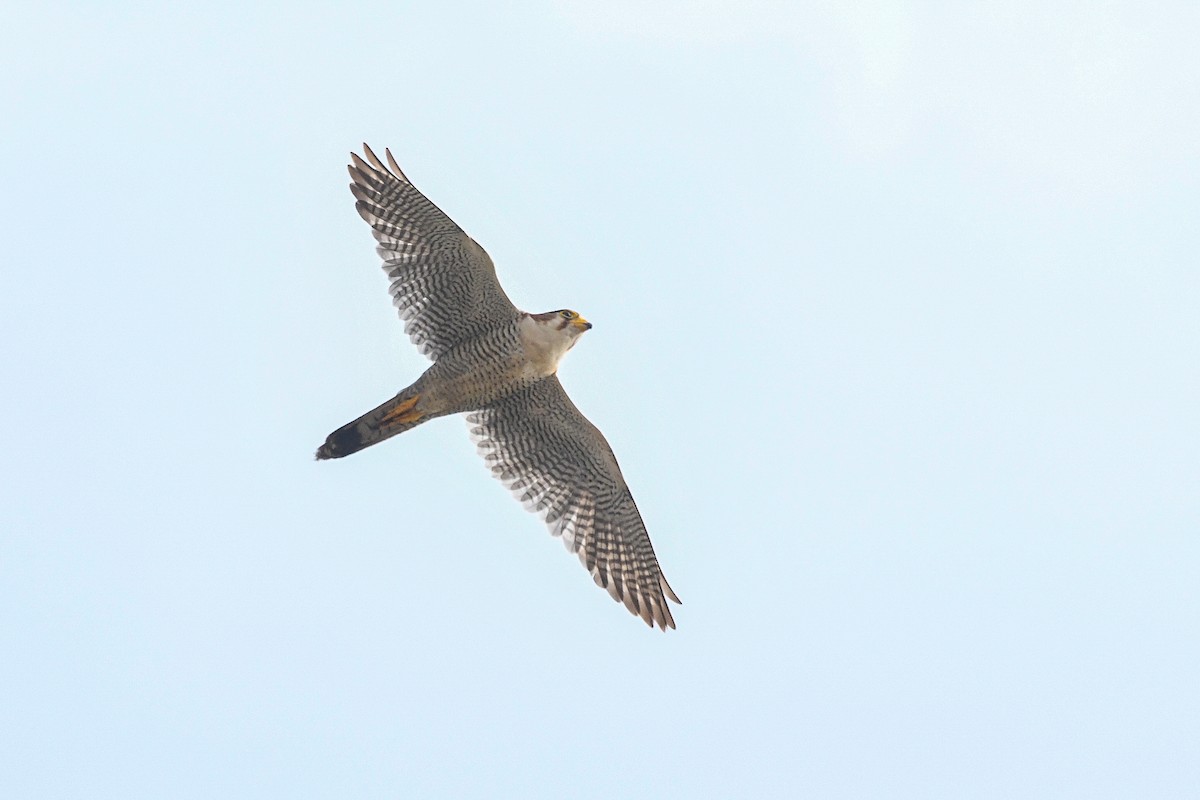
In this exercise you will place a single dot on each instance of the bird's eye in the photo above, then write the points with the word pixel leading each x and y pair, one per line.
pixel 568 314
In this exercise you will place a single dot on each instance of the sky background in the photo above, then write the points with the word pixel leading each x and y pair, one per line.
pixel 896 338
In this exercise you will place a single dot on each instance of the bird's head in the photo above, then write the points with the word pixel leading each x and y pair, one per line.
pixel 554 333
pixel 565 321
pixel 570 321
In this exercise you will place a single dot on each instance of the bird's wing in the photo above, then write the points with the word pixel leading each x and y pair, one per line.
pixel 558 464
pixel 443 283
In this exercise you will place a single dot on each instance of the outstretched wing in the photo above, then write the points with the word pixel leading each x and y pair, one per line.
pixel 558 464
pixel 443 283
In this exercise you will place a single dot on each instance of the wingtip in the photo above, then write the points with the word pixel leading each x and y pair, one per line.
pixel 373 165
pixel 665 620
pixel 365 212
pixel 395 167
pixel 357 163
pixel 373 159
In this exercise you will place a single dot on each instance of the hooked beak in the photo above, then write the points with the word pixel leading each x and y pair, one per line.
pixel 581 323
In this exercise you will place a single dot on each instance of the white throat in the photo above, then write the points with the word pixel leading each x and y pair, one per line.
pixel 545 344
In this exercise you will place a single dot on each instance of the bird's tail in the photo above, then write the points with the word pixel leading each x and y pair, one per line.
pixel 395 416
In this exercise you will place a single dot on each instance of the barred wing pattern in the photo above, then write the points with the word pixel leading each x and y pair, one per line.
pixel 558 464
pixel 443 283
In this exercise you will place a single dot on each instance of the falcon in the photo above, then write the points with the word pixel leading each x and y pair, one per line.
pixel 498 365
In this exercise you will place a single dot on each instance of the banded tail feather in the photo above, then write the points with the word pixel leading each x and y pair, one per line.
pixel 397 415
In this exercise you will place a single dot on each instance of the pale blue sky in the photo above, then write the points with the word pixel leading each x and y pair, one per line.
pixel 896 338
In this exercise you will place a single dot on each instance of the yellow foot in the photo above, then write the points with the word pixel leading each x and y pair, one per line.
pixel 403 414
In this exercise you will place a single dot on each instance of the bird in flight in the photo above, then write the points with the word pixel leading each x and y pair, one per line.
pixel 497 364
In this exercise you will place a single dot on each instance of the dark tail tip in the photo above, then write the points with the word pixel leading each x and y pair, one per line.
pixel 341 443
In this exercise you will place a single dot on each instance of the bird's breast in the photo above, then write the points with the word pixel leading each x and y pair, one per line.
pixel 483 370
